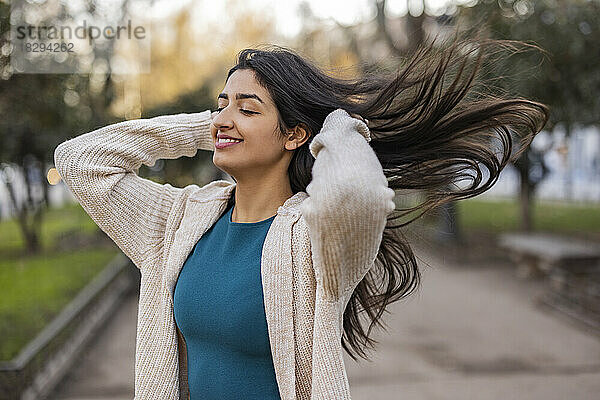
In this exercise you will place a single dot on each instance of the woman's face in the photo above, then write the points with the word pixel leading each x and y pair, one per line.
pixel 247 112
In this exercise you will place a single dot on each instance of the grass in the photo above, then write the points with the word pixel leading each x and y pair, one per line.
pixel 481 220
pixel 35 288
pixel 55 221
pixel 504 215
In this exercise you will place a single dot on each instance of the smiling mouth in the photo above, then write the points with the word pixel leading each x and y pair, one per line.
pixel 228 140
pixel 222 143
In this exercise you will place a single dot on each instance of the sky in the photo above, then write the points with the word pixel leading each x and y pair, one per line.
pixel 346 12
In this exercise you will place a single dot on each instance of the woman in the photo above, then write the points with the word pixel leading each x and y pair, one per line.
pixel 305 228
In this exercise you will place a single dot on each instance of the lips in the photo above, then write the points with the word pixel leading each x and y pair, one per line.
pixel 223 136
pixel 223 144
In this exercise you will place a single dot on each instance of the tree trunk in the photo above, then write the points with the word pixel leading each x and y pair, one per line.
pixel 30 234
pixel 26 167
pixel 569 170
pixel 45 185
pixel 526 192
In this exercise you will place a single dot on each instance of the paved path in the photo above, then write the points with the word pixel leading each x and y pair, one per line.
pixel 106 371
pixel 474 333
pixel 468 333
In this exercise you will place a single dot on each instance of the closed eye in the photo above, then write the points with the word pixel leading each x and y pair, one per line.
pixel 248 111
pixel 241 109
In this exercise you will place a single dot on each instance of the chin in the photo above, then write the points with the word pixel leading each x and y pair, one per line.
pixel 222 164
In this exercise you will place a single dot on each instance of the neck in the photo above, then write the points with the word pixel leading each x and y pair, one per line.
pixel 258 200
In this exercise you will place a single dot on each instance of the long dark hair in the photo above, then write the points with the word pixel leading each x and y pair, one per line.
pixel 428 136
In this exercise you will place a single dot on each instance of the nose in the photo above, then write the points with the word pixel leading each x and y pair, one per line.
pixel 219 121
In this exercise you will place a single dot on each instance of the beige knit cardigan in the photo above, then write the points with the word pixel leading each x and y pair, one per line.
pixel 319 246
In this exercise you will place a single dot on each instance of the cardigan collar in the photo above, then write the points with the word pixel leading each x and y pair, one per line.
pixel 226 188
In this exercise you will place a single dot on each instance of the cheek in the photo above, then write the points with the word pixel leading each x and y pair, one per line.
pixel 265 150
pixel 264 147
pixel 262 137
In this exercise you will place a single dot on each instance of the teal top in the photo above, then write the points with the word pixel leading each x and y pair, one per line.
pixel 219 307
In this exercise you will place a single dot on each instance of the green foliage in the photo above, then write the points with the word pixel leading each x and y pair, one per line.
pixel 40 111
pixel 40 118
pixel 568 79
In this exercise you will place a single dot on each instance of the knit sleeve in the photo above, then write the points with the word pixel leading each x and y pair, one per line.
pixel 348 204
pixel 100 168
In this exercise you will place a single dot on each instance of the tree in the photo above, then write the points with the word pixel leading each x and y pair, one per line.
pixel 568 82
pixel 43 110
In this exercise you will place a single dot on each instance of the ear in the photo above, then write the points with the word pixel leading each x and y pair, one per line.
pixel 296 137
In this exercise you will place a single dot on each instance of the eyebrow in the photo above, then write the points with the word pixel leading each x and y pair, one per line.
pixel 239 96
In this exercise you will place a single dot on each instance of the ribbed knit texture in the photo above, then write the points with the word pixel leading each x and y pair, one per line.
pixel 319 246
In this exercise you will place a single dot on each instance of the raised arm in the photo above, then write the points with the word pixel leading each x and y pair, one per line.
pixel 100 168
pixel 348 204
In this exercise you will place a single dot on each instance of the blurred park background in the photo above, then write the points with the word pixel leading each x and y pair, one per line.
pixel 509 306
